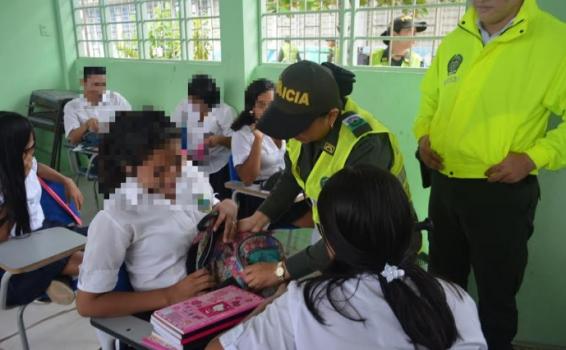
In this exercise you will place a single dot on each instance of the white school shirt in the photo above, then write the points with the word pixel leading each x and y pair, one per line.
pixel 79 110
pixel 217 122
pixel 288 324
pixel 147 232
pixel 33 194
pixel 272 157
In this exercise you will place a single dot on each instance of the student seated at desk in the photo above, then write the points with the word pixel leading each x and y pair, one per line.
pixel 204 113
pixel 154 199
pixel 373 295
pixel 21 212
pixel 256 156
pixel 82 115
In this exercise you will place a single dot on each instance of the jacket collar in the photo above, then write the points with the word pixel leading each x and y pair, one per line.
pixel 528 12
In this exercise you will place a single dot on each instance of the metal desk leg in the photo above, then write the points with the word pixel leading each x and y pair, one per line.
pixel 4 289
pixel 3 298
pixel 22 327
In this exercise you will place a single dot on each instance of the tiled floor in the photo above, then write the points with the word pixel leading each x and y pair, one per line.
pixel 53 327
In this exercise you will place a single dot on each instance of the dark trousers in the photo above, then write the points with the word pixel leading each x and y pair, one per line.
pixel 485 226
pixel 217 181
pixel 26 287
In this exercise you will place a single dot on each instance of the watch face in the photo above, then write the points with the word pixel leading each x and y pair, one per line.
pixel 279 271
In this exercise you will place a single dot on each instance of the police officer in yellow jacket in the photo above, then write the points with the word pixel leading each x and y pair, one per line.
pixel 485 106
pixel 324 137
pixel 399 53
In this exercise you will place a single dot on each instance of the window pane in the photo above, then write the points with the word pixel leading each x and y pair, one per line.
pixel 375 23
pixel 112 2
pixel 270 51
pixel 204 50
pixel 203 8
pixel 91 32
pixel 317 5
pixel 124 49
pixel 80 3
pixel 91 49
pixel 159 10
pixel 290 51
pixel 207 28
pixel 161 49
pixel 87 16
pixel 162 30
pixel 122 31
pixel 125 13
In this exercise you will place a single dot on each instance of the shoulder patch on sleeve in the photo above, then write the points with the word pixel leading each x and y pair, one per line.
pixel 357 125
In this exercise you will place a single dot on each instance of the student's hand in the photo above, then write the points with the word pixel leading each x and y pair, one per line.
pixel 227 214
pixel 92 124
pixel 212 140
pixel 428 155
pixel 254 223
pixel 261 275
pixel 514 168
pixel 194 284
pixel 73 193
pixel 257 133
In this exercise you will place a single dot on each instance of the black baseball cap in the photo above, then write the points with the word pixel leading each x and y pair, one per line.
pixel 305 91
pixel 404 22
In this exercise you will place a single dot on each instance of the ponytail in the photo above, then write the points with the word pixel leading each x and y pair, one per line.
pixel 423 313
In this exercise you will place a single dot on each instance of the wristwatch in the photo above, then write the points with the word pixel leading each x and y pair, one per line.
pixel 280 271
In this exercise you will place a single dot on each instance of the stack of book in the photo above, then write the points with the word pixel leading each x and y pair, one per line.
pixel 194 322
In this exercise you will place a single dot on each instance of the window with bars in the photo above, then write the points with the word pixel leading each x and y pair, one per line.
pixel 148 29
pixel 357 32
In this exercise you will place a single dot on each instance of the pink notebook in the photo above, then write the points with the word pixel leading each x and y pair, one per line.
pixel 206 312
pixel 155 342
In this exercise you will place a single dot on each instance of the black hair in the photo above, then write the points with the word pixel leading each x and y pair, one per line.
pixel 366 218
pixel 132 138
pixel 15 131
pixel 93 70
pixel 256 88
pixel 344 78
pixel 204 87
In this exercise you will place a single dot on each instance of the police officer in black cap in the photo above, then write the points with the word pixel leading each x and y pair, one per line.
pixel 398 52
pixel 326 131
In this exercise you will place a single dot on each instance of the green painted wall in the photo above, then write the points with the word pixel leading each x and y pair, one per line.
pixel 542 299
pixel 29 59
pixel 161 84
pixel 29 56
pixel 391 95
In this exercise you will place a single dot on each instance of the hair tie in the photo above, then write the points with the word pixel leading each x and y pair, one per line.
pixel 392 272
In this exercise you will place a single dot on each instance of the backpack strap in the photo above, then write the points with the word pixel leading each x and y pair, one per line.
pixel 59 201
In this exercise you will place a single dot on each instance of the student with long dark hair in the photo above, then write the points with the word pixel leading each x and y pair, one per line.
pixel 21 212
pixel 373 295
pixel 256 156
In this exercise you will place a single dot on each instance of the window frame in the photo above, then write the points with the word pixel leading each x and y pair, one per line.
pixel 142 42
pixel 349 36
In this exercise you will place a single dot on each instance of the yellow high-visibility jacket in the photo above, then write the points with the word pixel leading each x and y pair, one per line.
pixel 479 102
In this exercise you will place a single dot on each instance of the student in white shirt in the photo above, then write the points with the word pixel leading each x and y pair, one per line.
pixel 373 295
pixel 21 211
pixel 154 199
pixel 256 156
pixel 82 116
pixel 203 113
